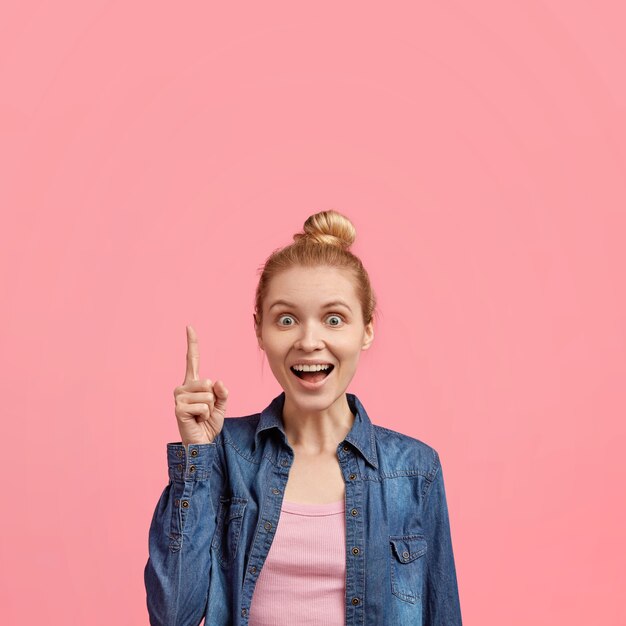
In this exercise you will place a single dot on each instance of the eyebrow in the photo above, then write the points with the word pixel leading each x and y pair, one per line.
pixel 334 303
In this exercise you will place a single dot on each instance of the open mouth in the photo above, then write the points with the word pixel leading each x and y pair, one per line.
pixel 313 377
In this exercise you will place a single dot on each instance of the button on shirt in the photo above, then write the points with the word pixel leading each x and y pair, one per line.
pixel 216 519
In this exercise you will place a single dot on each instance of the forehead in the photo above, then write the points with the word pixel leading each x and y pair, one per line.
pixel 310 285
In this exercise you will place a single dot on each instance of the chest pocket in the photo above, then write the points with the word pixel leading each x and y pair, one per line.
pixel 228 528
pixel 407 566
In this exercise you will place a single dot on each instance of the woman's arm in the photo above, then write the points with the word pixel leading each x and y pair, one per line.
pixel 440 601
pixel 178 570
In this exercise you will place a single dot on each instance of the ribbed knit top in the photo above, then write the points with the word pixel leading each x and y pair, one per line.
pixel 303 578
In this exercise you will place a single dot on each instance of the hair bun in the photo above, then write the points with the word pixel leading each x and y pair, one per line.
pixel 328 227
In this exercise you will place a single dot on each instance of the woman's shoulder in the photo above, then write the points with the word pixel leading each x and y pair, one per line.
pixel 405 452
pixel 399 438
pixel 239 429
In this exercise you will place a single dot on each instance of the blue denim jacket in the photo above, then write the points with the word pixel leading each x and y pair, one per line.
pixel 215 521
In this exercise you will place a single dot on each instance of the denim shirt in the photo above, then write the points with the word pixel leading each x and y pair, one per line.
pixel 214 523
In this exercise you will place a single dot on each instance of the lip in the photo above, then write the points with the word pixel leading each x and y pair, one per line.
pixel 309 385
pixel 311 363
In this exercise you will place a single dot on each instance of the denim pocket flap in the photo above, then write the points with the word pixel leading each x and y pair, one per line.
pixel 408 548
pixel 236 508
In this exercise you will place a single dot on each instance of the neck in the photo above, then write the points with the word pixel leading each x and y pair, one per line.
pixel 317 431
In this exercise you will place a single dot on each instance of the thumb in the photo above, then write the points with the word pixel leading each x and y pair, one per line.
pixel 221 394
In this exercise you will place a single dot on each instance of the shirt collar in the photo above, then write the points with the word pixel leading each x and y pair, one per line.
pixel 361 435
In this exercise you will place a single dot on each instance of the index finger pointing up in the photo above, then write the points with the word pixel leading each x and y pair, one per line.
pixel 193 356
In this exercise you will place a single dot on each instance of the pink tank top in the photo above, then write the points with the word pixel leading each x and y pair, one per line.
pixel 303 579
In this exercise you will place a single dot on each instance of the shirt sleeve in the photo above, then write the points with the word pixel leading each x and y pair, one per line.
pixel 440 600
pixel 178 570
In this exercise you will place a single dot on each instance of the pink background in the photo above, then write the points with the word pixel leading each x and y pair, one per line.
pixel 153 155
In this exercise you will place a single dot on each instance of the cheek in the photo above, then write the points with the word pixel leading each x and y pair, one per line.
pixel 276 356
pixel 275 342
pixel 348 348
pixel 272 355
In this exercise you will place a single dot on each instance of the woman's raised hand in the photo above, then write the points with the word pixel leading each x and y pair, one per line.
pixel 200 404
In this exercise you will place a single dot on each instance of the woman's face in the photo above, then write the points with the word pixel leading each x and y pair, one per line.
pixel 313 315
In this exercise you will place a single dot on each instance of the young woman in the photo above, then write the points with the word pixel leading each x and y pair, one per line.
pixel 306 513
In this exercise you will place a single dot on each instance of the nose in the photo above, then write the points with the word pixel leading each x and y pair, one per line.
pixel 309 339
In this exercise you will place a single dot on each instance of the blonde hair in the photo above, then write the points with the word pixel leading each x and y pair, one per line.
pixel 325 241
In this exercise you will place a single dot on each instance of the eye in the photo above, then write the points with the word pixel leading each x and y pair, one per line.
pixel 287 316
pixel 284 315
pixel 337 316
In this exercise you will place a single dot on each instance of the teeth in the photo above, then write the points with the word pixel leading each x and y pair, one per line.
pixel 310 368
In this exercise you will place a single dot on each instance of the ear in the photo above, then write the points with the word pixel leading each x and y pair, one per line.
pixel 368 336
pixel 257 331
